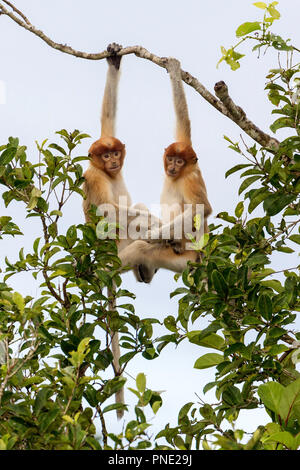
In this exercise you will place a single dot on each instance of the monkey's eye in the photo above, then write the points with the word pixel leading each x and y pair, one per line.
pixel 169 158
pixel 117 154
pixel 180 161
pixel 106 156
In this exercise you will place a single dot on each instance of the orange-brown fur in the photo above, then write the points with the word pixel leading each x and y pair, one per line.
pixel 104 183
pixel 183 184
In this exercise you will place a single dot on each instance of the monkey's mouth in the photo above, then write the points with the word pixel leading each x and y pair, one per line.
pixel 114 168
pixel 172 173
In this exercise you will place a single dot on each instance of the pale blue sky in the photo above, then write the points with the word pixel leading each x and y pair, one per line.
pixel 47 90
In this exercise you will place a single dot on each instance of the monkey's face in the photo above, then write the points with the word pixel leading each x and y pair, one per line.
pixel 179 157
pixel 108 154
pixel 174 165
pixel 112 162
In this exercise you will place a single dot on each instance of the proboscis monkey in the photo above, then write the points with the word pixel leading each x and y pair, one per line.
pixel 104 183
pixel 183 185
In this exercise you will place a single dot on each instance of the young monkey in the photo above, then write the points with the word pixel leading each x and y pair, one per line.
pixel 183 184
pixel 104 183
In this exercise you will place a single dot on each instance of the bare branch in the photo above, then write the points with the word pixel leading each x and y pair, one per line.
pixel 17 11
pixel 224 104
pixel 238 115
pixel 61 47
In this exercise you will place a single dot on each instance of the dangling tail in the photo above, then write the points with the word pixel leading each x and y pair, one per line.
pixel 115 346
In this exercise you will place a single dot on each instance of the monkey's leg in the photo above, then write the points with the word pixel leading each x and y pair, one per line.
pixel 155 256
pixel 142 220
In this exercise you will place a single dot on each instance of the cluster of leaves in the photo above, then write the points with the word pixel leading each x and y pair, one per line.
pixel 263 37
pixel 248 309
pixel 55 351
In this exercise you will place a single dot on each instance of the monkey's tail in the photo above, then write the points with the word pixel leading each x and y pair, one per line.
pixel 115 346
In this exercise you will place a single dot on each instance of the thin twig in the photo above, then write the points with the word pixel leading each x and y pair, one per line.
pixel 17 11
pixel 104 430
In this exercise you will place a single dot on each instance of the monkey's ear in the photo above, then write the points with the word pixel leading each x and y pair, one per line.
pixel 89 154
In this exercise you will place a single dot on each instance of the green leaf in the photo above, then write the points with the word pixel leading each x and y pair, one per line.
pixel 261 5
pixel 236 168
pixel 126 357
pixel 41 399
pixel 295 238
pixel 232 395
pixel 264 306
pixel 58 148
pixel 281 122
pixel 184 411
pixel 247 182
pixel 47 418
pixel 256 196
pixel 219 283
pixel 141 382
pixel 114 406
pixel 239 209
pixel 274 284
pixel 208 360
pixel 8 155
pixel 213 340
pixel 270 394
pixel 274 203
pixel 179 443
pixel 284 438
pixel 55 212
pixel 227 217
pixel 247 28
pixel 289 407
pixel 277 349
pixel 273 12
pixel 19 301
pixel 170 323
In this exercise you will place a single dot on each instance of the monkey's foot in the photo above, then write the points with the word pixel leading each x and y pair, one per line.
pixel 176 245
pixel 144 274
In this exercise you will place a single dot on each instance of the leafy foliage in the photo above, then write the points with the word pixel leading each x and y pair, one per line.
pixel 54 368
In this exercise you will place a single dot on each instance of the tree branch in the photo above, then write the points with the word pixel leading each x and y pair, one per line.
pixel 17 11
pixel 224 104
pixel 238 115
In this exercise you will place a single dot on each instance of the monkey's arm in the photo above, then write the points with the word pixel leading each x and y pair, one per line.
pixel 196 202
pixel 183 124
pixel 99 193
pixel 96 191
pixel 109 104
